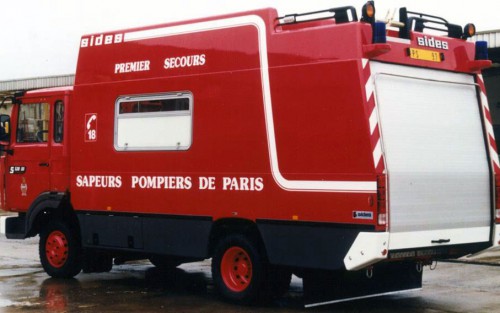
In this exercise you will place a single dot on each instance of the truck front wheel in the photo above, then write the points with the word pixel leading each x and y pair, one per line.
pixel 237 269
pixel 60 250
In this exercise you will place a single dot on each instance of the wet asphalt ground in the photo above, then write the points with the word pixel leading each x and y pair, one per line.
pixel 139 287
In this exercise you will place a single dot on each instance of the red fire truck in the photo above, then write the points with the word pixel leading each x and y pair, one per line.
pixel 336 148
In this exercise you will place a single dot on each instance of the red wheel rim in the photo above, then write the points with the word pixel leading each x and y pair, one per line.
pixel 56 249
pixel 236 269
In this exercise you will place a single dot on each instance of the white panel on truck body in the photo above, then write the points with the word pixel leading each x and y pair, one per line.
pixel 436 158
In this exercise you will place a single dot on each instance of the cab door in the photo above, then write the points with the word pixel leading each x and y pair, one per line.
pixel 28 166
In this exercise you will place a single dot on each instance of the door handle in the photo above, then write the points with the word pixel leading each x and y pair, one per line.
pixel 441 241
pixel 44 164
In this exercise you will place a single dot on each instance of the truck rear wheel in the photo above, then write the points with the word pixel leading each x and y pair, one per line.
pixel 60 250
pixel 237 269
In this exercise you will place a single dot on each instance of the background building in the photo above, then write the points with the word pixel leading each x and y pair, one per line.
pixel 9 87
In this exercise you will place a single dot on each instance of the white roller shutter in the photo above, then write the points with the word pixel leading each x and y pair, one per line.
pixel 439 181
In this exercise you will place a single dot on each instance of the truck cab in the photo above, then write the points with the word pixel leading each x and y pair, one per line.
pixel 36 159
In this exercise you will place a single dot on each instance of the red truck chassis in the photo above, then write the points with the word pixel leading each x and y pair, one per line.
pixel 319 144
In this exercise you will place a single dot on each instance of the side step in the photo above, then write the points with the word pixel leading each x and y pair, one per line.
pixel 328 287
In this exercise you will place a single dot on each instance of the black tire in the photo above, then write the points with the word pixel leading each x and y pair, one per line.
pixel 60 250
pixel 238 269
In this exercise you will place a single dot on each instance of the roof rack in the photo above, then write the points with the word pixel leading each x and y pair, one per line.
pixel 341 15
pixel 414 21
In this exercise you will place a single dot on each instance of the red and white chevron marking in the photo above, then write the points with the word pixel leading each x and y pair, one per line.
pixel 489 125
pixel 372 113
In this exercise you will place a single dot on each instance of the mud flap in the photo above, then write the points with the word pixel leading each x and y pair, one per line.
pixel 15 227
pixel 328 287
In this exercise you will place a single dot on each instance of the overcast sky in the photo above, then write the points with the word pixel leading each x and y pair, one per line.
pixel 41 37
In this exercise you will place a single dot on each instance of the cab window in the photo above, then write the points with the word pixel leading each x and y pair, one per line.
pixel 33 123
pixel 58 121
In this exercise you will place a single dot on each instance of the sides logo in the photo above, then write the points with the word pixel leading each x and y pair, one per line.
pixel 432 43
pixel 362 215
pixel 101 40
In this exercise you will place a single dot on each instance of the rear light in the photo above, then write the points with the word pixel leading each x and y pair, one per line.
pixel 382 219
pixel 382 200
pixel 497 199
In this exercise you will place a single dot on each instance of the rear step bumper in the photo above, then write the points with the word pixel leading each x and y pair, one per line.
pixel 372 247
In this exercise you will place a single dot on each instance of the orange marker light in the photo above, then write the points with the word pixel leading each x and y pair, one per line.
pixel 370 10
pixel 469 30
